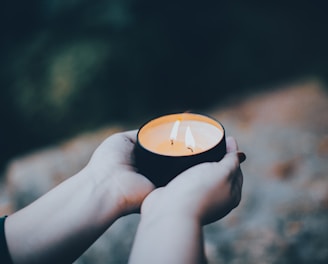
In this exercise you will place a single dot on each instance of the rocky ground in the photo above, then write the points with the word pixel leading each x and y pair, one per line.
pixel 283 216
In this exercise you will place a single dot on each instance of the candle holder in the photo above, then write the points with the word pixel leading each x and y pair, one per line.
pixel 159 153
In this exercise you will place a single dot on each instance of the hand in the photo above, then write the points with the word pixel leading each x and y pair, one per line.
pixel 111 166
pixel 205 192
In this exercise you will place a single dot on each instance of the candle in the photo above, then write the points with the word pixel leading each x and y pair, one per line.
pixel 169 144
pixel 174 132
pixel 189 140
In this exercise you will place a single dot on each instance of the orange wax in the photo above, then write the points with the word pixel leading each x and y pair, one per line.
pixel 155 135
pixel 177 149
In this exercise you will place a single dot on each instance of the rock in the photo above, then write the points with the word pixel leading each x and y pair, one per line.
pixel 282 217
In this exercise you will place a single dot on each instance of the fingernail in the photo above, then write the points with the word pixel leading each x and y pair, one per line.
pixel 241 156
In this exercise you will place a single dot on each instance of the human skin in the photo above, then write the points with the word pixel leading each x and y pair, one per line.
pixel 63 223
pixel 170 230
pixel 59 226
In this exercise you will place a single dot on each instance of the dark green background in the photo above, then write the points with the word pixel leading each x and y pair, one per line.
pixel 69 66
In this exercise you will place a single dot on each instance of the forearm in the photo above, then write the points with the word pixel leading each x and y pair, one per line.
pixel 168 239
pixel 62 224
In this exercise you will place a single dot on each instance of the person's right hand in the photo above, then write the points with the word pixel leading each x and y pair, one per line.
pixel 111 167
pixel 206 192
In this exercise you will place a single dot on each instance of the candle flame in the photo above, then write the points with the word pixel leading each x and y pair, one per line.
pixel 189 140
pixel 174 131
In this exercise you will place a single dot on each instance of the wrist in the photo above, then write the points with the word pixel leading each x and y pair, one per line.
pixel 78 211
pixel 170 236
pixel 168 219
pixel 107 200
pixel 159 206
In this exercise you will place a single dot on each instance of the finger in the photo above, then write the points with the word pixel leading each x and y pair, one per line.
pixel 241 156
pixel 231 163
pixel 124 141
pixel 237 187
pixel 131 135
pixel 117 147
pixel 232 145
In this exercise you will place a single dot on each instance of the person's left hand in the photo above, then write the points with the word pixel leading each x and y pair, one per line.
pixel 205 192
pixel 111 167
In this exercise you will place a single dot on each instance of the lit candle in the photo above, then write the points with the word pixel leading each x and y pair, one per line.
pixel 170 144
pixel 174 132
pixel 178 145
pixel 189 140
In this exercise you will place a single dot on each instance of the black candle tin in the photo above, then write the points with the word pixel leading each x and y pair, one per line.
pixel 161 169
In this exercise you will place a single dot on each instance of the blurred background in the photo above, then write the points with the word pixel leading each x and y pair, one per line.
pixel 70 66
pixel 73 72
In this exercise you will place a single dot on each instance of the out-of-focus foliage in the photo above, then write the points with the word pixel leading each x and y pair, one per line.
pixel 67 66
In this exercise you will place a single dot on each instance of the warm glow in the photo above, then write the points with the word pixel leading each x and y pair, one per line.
pixel 189 139
pixel 180 134
pixel 174 131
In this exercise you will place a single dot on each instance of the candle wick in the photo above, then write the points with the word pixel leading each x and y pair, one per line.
pixel 190 149
pixel 172 142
